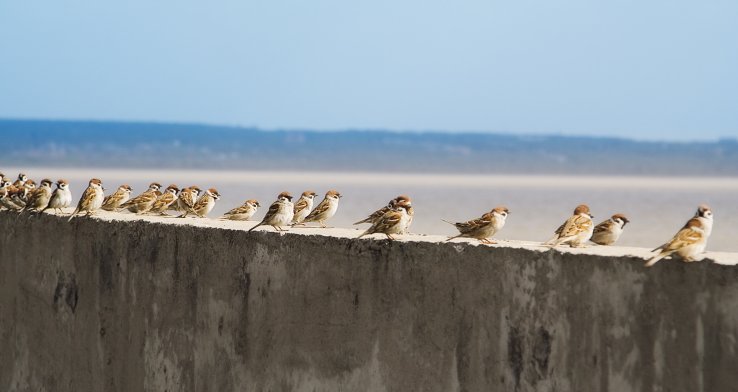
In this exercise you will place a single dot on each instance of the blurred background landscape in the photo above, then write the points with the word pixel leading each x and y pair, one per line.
pixel 627 106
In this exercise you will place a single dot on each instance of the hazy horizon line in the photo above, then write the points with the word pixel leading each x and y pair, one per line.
pixel 531 134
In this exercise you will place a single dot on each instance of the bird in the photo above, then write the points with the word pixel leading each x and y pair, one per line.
pixel 690 241
pixel 91 200
pixel 6 196
pixel 21 194
pixel 380 212
pixel 187 199
pixel 61 197
pixel 608 232
pixel 392 222
pixel 39 197
pixel 167 198
pixel 576 231
pixel 484 227
pixel 120 196
pixel 205 204
pixel 303 207
pixel 325 210
pixel 22 178
pixel 143 202
pixel 280 213
pixel 243 212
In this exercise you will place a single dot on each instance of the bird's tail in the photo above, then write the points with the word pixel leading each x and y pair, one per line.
pixel 73 214
pixel 450 238
pixel 362 221
pixel 656 258
pixel 450 223
pixel 251 229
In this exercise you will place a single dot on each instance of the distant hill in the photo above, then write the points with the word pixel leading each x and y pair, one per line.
pixel 131 144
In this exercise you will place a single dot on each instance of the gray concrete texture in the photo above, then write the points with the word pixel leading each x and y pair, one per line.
pixel 96 305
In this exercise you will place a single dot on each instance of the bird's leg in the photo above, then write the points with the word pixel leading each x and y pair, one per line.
pixel 389 237
pixel 322 223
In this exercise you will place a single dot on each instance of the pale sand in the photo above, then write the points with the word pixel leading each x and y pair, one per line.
pixel 724 258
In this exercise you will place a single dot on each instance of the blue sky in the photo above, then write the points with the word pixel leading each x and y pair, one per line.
pixel 644 69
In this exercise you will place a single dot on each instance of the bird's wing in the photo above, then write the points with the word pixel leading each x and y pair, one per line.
pixel 575 225
pixel 86 199
pixel 321 208
pixel 685 237
pixel 273 210
pixel 301 205
pixel 603 227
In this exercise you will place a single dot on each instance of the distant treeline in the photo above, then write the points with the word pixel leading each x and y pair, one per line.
pixel 131 144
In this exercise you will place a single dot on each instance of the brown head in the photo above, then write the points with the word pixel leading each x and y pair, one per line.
pixel 172 188
pixel 196 189
pixel 30 184
pixel 333 194
pixel 252 202
pixel 582 209
pixel 621 219
pixel 704 211
pixel 96 181
pixel 62 183
pixel 125 187
pixel 284 196
pixel 404 198
pixel 155 186
pixel 46 182
pixel 501 210
pixel 214 193
pixel 402 205
pixel 309 194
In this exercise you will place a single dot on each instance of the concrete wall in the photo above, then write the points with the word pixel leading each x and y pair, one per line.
pixel 138 306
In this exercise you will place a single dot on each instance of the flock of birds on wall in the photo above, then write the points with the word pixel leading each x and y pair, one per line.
pixel 392 219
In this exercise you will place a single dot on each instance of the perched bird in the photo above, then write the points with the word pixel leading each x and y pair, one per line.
pixel 22 178
pixel 143 202
pixel 280 213
pixel 91 200
pixel 608 232
pixel 205 204
pixel 6 196
pixel 61 197
pixel 243 212
pixel 303 206
pixel 39 197
pixel 576 231
pixel 392 222
pixel 20 195
pixel 325 210
pixel 120 196
pixel 380 212
pixel 690 241
pixel 162 203
pixel 187 199
pixel 484 227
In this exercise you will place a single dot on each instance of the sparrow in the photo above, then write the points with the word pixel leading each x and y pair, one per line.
pixel 690 241
pixel 6 196
pixel 380 212
pixel 280 213
pixel 20 195
pixel 244 212
pixel 303 206
pixel 608 232
pixel 143 202
pixel 162 203
pixel 22 178
pixel 484 227
pixel 187 199
pixel 61 197
pixel 392 222
pixel 39 198
pixel 91 200
pixel 205 204
pixel 576 231
pixel 325 210
pixel 114 201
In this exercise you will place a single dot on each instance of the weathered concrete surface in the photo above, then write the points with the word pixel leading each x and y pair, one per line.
pixel 111 305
